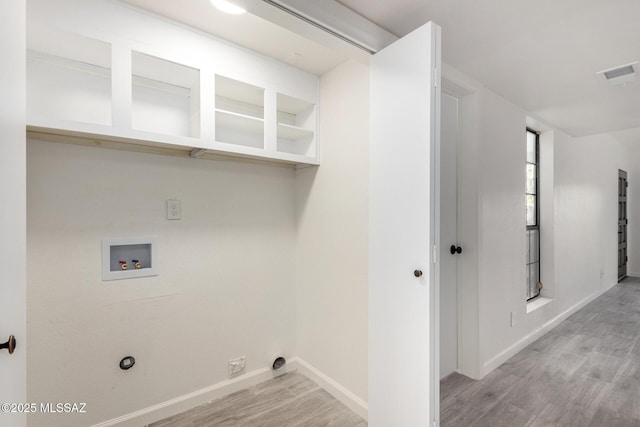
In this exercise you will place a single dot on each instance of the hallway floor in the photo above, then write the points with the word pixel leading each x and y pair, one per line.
pixel 585 372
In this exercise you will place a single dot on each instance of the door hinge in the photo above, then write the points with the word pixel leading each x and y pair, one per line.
pixel 435 77
pixel 434 259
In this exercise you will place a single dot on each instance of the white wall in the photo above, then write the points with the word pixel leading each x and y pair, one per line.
pixel 332 235
pixel 580 218
pixel 584 234
pixel 226 286
pixel 13 207
pixel 546 202
pixel 468 236
pixel 501 153
pixel 633 208
pixel 586 202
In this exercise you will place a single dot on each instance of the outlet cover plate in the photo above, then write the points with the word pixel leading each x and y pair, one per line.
pixel 236 366
pixel 174 209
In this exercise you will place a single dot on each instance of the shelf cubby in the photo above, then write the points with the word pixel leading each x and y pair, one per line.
pixel 239 113
pixel 68 79
pixel 165 96
pixel 296 126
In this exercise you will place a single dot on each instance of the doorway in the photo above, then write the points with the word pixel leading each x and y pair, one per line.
pixel 623 184
pixel 450 249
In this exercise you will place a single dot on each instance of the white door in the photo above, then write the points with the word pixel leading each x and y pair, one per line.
pixel 404 132
pixel 12 210
pixel 449 236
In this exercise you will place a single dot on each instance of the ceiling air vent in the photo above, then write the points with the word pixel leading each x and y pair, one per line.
pixel 621 74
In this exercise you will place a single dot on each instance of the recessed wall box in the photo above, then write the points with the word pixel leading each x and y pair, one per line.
pixel 120 258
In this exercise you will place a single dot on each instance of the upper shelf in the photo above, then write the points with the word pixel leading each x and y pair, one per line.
pixel 140 88
pixel 293 133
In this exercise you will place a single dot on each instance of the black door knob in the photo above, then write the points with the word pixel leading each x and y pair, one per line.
pixel 455 249
pixel 9 345
pixel 417 273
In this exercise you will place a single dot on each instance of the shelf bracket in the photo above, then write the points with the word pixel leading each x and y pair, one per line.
pixel 197 152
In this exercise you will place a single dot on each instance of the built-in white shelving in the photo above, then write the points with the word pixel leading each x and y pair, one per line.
pixel 296 125
pixel 71 84
pixel 239 117
pixel 293 133
pixel 140 89
pixel 165 96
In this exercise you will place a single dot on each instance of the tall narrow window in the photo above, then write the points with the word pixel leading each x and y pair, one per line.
pixel 532 220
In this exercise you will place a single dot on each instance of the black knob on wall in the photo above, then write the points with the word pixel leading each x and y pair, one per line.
pixel 417 273
pixel 455 249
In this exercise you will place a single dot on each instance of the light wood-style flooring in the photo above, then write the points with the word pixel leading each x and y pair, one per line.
pixel 585 372
pixel 287 401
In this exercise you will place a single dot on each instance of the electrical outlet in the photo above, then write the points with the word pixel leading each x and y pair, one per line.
pixel 174 209
pixel 236 366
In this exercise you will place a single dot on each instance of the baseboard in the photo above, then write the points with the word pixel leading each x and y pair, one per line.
pixel 342 394
pixel 507 354
pixel 191 400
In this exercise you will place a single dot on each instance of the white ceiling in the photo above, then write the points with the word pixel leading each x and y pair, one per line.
pixel 541 55
pixel 249 31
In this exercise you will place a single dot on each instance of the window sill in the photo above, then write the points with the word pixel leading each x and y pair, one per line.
pixel 537 303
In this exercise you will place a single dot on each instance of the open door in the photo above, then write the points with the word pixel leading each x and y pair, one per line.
pixel 12 212
pixel 403 277
pixel 623 184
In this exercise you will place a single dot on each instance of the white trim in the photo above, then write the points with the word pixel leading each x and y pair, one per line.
pixel 528 339
pixel 342 394
pixel 191 400
pixel 434 232
pixel 537 303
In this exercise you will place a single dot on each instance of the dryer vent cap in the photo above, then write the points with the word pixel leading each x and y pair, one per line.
pixel 279 363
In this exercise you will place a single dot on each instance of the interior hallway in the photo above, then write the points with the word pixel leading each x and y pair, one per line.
pixel 585 372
